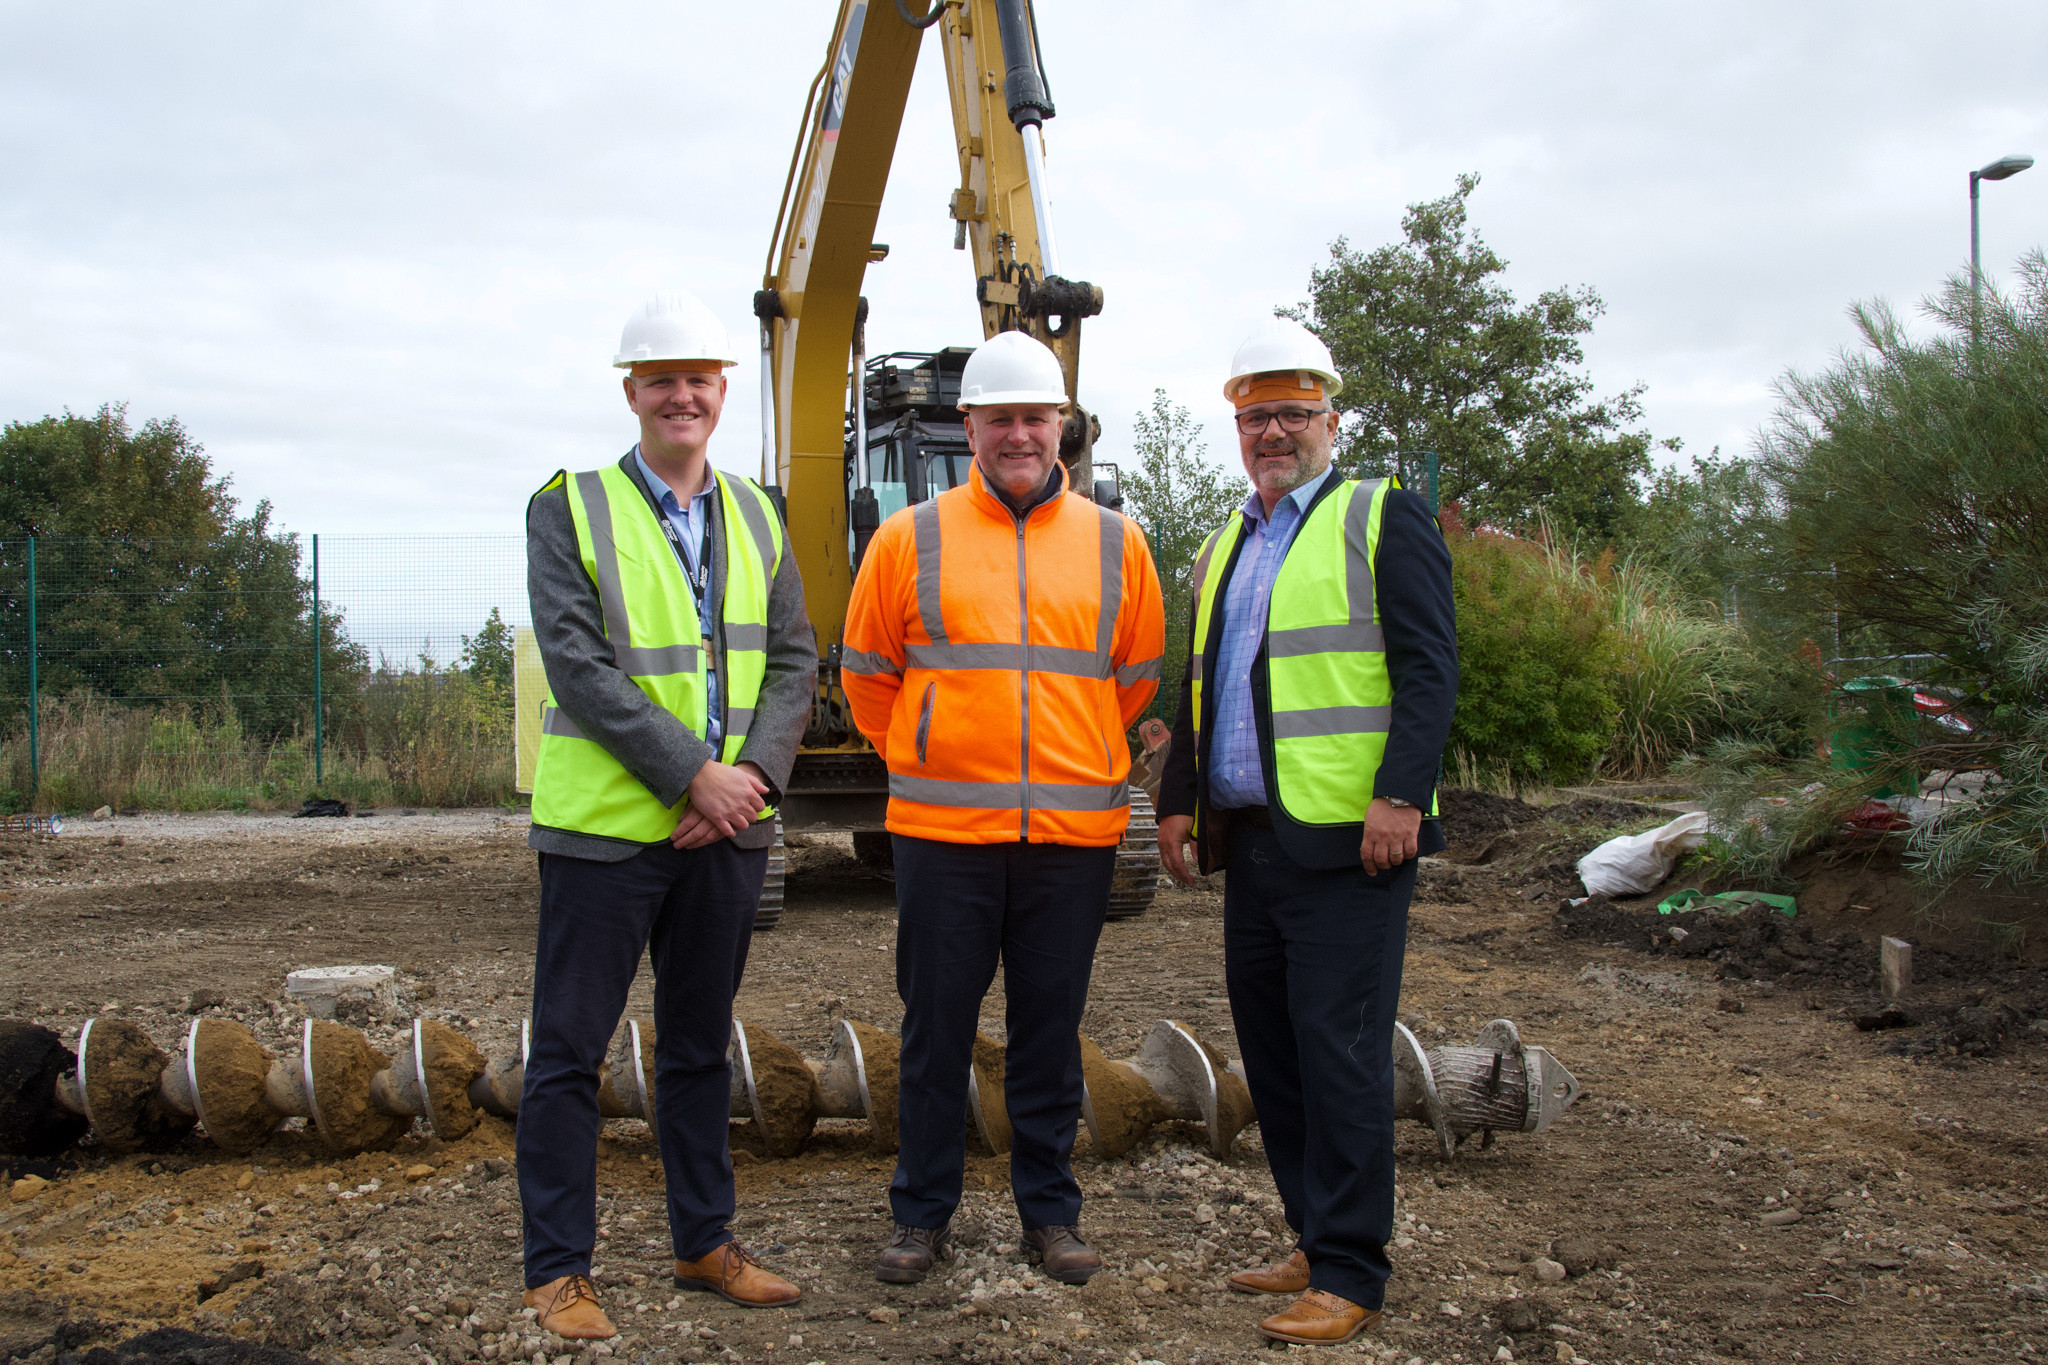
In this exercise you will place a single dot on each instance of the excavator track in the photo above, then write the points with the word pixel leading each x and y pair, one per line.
pixel 1136 880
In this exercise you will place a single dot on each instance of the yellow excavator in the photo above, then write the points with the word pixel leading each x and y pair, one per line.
pixel 847 439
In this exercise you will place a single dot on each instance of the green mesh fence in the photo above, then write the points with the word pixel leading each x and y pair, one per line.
pixel 200 674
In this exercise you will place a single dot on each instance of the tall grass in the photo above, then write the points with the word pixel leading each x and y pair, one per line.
pixel 1682 675
pixel 416 739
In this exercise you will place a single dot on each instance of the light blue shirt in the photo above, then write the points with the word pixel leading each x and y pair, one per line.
pixel 1237 774
pixel 689 523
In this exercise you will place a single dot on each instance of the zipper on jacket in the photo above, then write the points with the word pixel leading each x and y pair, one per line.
pixel 1024 693
pixel 924 721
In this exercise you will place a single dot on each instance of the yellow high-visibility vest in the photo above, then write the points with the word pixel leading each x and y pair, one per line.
pixel 1326 658
pixel 650 620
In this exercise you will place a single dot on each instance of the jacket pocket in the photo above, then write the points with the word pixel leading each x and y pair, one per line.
pixel 924 721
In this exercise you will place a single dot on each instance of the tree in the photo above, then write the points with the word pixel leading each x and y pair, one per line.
pixel 487 655
pixel 150 586
pixel 1906 517
pixel 1178 497
pixel 1437 355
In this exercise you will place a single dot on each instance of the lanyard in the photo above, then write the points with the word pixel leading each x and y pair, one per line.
pixel 700 578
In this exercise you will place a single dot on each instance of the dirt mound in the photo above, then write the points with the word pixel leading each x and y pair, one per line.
pixel 1589 810
pixel 1468 815
pixel 31 1059
pixel 1759 943
pixel 176 1346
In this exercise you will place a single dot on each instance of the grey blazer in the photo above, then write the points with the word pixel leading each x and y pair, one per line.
pixel 610 708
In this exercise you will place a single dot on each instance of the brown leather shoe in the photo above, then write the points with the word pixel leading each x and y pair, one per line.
pixel 911 1253
pixel 730 1271
pixel 1282 1277
pixel 1320 1319
pixel 568 1308
pixel 1065 1256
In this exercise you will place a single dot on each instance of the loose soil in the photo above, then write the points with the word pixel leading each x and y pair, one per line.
pixel 1748 1176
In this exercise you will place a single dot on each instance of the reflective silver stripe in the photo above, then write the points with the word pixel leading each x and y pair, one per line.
pixel 756 517
pixel 1061 796
pixel 611 593
pixel 1112 585
pixel 1358 556
pixel 651 661
pixel 555 721
pixel 1319 721
pixel 866 661
pixel 1073 663
pixel 932 791
pixel 924 521
pixel 1145 670
pixel 738 720
pixel 745 636
pixel 1356 637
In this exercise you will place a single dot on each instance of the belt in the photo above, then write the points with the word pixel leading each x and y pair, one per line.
pixel 1256 817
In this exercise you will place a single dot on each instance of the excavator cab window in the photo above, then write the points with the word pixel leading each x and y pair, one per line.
pixel 916 444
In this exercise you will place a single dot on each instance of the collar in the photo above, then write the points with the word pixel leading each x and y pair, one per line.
pixel 991 501
pixel 663 494
pixel 1255 509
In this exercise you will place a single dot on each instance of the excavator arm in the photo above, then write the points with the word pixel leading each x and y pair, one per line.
pixel 819 391
pixel 810 308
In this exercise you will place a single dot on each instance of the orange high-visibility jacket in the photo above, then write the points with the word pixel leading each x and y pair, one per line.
pixel 995 664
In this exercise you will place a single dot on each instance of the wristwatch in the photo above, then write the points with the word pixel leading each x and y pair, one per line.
pixel 1397 803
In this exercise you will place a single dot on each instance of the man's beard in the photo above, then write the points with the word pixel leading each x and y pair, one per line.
pixel 1282 479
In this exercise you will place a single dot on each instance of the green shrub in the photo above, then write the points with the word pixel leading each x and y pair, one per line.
pixel 1537 656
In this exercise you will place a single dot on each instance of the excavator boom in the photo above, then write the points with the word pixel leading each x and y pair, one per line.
pixel 837 475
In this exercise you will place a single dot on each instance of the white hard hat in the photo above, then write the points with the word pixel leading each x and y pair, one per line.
pixel 1011 367
pixel 1280 345
pixel 673 325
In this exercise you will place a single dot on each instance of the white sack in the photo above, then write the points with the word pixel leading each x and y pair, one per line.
pixel 1636 863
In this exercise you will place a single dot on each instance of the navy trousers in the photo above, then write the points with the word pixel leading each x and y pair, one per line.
pixel 692 911
pixel 961 908
pixel 1313 963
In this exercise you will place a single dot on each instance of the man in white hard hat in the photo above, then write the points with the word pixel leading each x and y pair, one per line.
pixel 1001 639
pixel 680 665
pixel 1322 676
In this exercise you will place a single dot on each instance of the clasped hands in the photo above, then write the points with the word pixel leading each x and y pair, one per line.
pixel 725 798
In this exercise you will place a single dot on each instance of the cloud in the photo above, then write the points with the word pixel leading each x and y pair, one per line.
pixel 375 256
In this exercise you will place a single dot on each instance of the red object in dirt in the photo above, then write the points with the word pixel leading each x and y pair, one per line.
pixel 1876 817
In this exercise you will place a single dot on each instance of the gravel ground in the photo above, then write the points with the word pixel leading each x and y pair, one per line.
pixel 1749 1176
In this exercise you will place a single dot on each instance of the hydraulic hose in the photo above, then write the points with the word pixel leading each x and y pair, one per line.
pixel 938 8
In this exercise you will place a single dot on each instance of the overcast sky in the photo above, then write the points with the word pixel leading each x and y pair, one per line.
pixel 376 256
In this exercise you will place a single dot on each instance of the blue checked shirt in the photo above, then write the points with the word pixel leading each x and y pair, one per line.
pixel 690 523
pixel 1237 776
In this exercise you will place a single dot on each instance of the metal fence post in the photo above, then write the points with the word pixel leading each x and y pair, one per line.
pixel 318 701
pixel 35 747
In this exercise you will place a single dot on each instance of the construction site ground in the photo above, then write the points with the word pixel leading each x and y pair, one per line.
pixel 1748 1175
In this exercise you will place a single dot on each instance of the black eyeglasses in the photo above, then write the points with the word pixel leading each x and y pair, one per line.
pixel 1290 419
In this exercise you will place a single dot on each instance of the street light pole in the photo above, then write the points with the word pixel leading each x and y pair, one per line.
pixel 1998 170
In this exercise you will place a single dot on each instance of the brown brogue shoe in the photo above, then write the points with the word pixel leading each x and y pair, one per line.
pixel 1318 1318
pixel 1282 1277
pixel 730 1271
pixel 1065 1256
pixel 911 1253
pixel 568 1308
